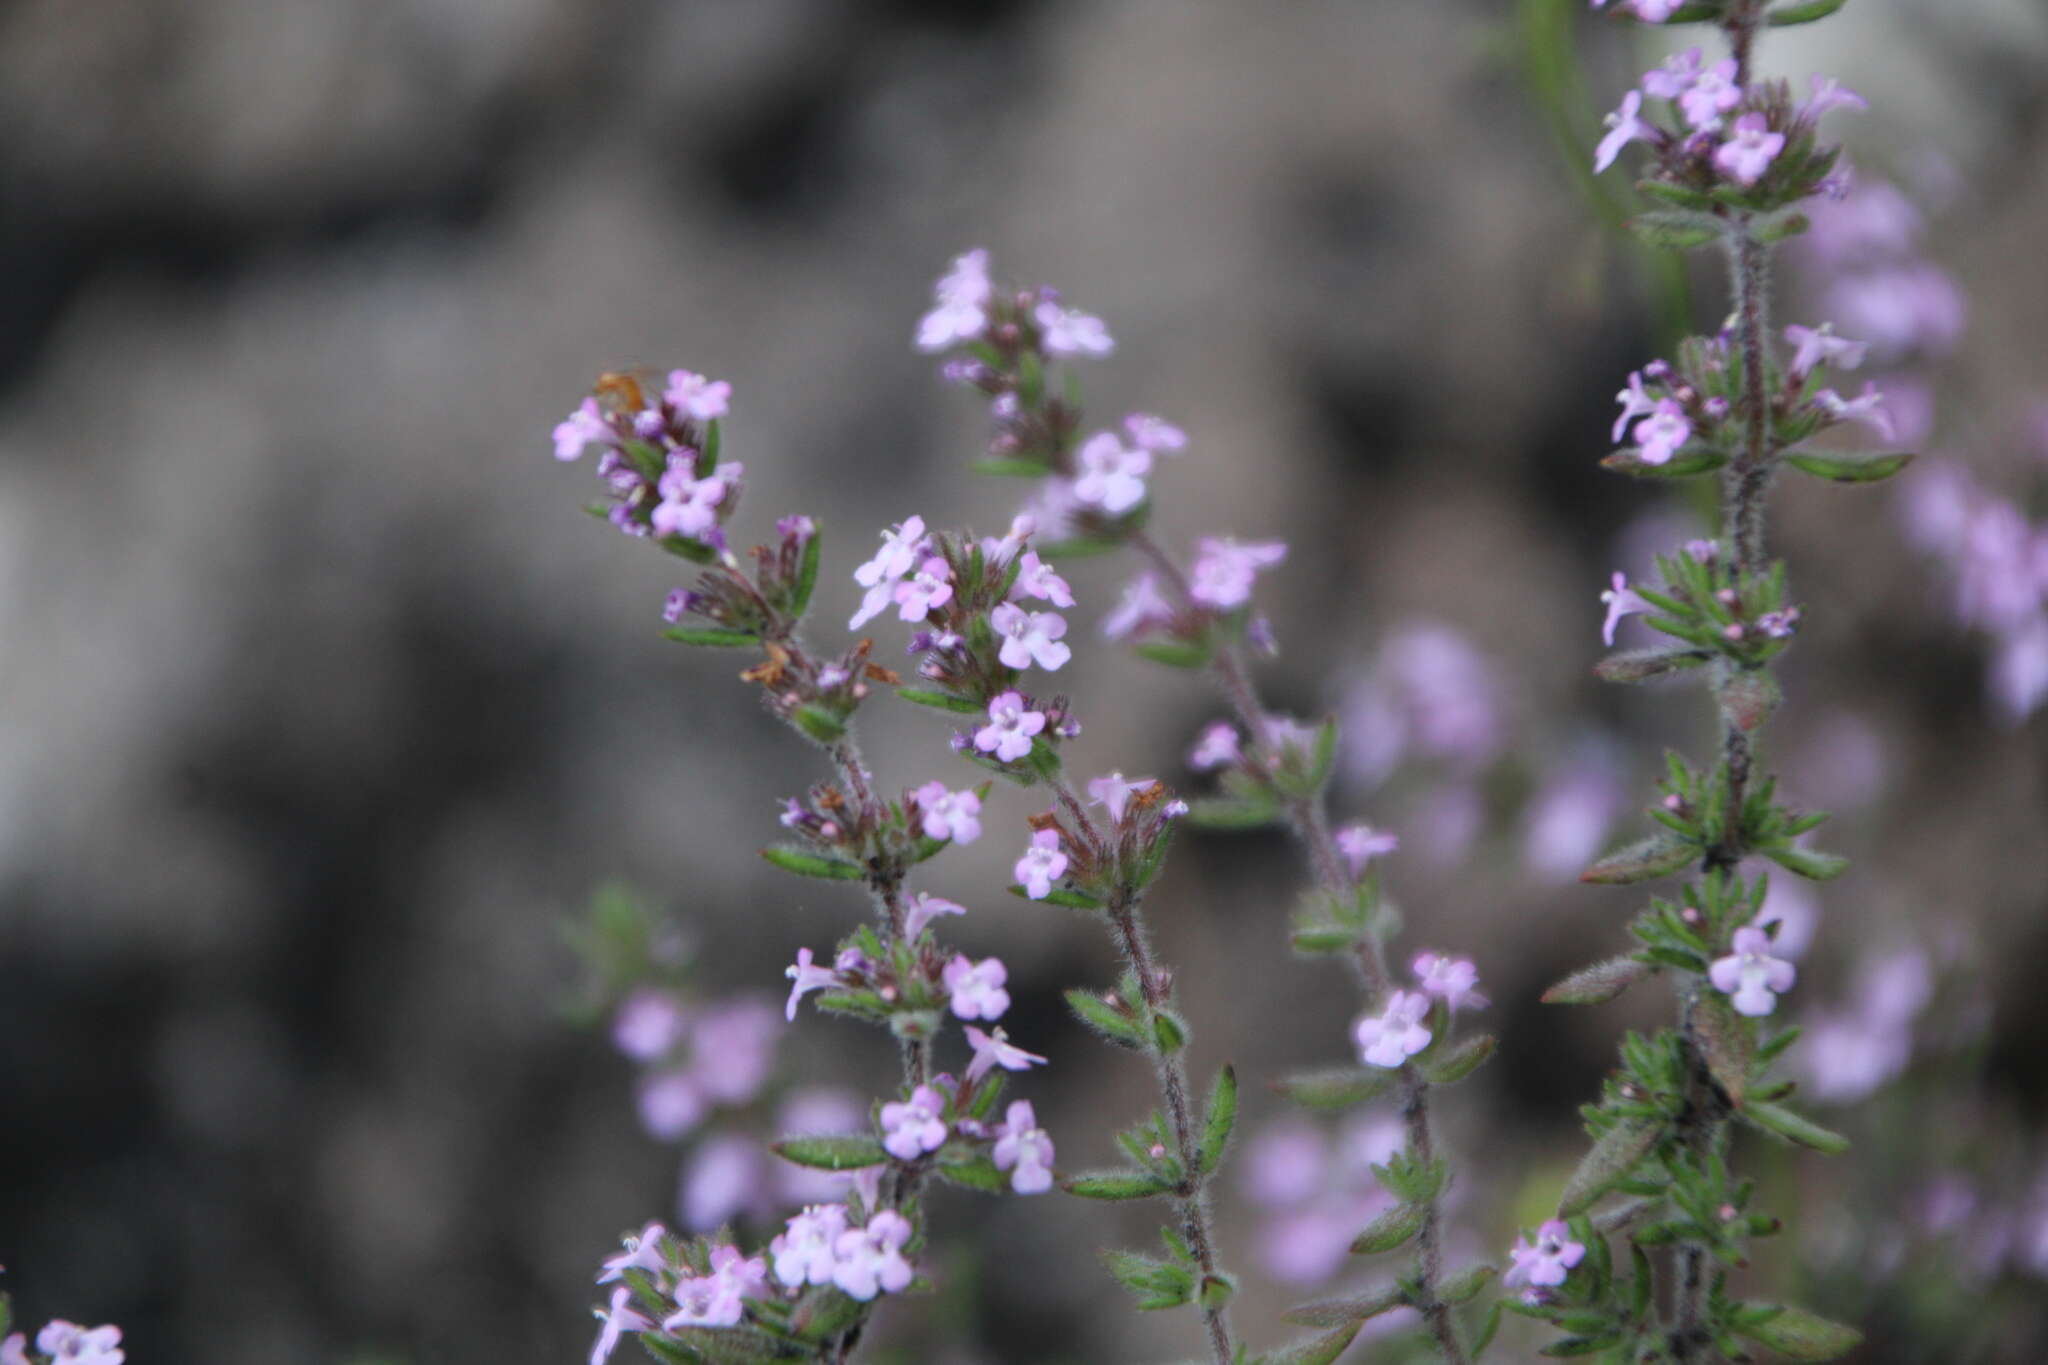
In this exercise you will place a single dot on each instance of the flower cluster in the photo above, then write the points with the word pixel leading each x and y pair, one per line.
pixel 658 457
pixel 64 1343
pixel 695 1060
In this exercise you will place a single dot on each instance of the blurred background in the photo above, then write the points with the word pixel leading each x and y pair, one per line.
pixel 323 708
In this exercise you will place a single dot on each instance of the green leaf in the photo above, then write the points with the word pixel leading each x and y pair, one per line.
pixel 1169 1030
pixel 1800 1335
pixel 1460 1061
pixel 1106 1019
pixel 971 1170
pixel 1225 812
pixel 843 1153
pixel 1657 856
pixel 715 637
pixel 821 1314
pixel 1805 13
pixel 1318 1351
pixel 1795 1127
pixel 1351 1308
pixel 825 726
pixel 1778 226
pixel 1597 984
pixel 1221 1117
pixel 813 865
pixel 939 701
pixel 1727 1041
pixel 1115 1185
pixel 1173 653
pixel 1011 469
pixel 1216 1291
pixel 806 574
pixel 1072 900
pixel 1609 1162
pixel 1748 698
pixel 1820 867
pixel 1158 1284
pixel 1466 1283
pixel 1336 1087
pixel 1641 665
pixel 1677 229
pixel 1389 1230
pixel 1688 461
pixel 1863 466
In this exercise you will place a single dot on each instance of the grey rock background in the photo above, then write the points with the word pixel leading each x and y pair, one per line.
pixel 320 705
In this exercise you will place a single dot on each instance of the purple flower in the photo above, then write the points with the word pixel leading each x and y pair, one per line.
pixel 931 586
pixel 1224 569
pixel 977 987
pixel 1024 1149
pixel 1545 1264
pixel 1142 607
pixel 1656 11
pixel 1036 578
pixel 1624 125
pixel 642 1253
pixel 1820 346
pixel 1114 792
pixel 1361 843
pixel 1396 1034
pixel 14 1350
pixel 1112 477
pixel 1750 976
pixel 726 1177
pixel 1867 407
pixel 1155 434
pixel 697 397
pixel 869 1260
pixel 1828 94
pixel 648 1024
pixel 622 1317
pixel 803 1251
pixel 915 1126
pixel 949 815
pixel 1663 432
pixel 960 294
pixel 994 1049
pixel 1010 728
pixel 1456 979
pixel 670 1104
pixel 1635 402
pixel 901 547
pixel 1042 864
pixel 805 978
pixel 1675 77
pixel 1746 155
pixel 924 908
pixel 580 429
pixel 1217 748
pixel 1621 600
pixel 705 1301
pixel 689 506
pixel 1068 331
pixel 1903 307
pixel 733 1049
pixel 1779 625
pixel 1713 93
pixel 1030 637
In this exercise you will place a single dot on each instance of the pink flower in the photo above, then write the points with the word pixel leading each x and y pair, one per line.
pixel 915 1126
pixel 648 1025
pixel 806 978
pixel 992 1050
pixel 802 1252
pixel 1155 433
pixel 999 551
pixel 1750 976
pixel 1396 1034
pixel 931 586
pixel 733 1049
pixel 1635 402
pixel 1141 607
pixel 623 1317
pixel 1621 600
pixel 901 547
pixel 1030 637
pixel 642 1253
pixel 869 1260
pixel 1042 864
pixel 580 429
pixel 1036 578
pixel 670 1104
pixel 1820 346
pixel 1656 11
pixel 1545 1264
pixel 1713 93
pixel 689 506
pixel 1112 477
pixel 977 987
pixel 1456 979
pixel 1068 331
pixel 1675 77
pixel 726 1176
pixel 1745 156
pixel 69 1344
pixel 1010 728
pixel 697 397
pixel 1224 569
pixel 949 815
pixel 960 294
pixel 1024 1149
pixel 1867 407
pixel 705 1301
pixel 923 909
pixel 1360 844
pixel 1828 94
pixel 1217 748
pixel 1114 792
pixel 1624 125
pixel 1663 432
pixel 14 1350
